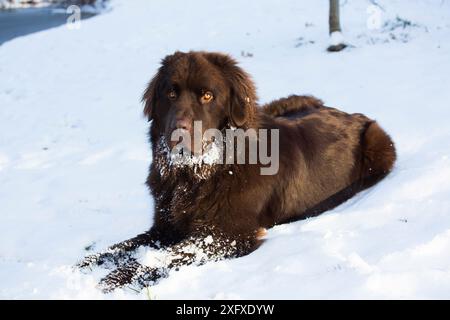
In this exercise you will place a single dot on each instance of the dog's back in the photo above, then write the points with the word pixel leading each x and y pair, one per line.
pixel 293 106
pixel 330 155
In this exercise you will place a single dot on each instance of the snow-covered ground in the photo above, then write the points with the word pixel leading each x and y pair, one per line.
pixel 94 7
pixel 74 152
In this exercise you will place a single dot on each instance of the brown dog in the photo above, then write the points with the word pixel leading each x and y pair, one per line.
pixel 218 210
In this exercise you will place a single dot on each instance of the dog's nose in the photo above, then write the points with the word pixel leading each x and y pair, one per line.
pixel 183 123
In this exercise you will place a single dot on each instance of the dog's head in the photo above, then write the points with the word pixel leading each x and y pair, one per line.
pixel 199 86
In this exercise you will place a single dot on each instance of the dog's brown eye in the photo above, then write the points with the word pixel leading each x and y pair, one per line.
pixel 172 95
pixel 206 97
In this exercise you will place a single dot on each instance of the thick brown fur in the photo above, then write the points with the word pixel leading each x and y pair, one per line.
pixel 326 156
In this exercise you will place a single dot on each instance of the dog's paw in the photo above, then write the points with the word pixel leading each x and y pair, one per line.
pixel 133 275
pixel 118 278
pixel 107 260
pixel 88 262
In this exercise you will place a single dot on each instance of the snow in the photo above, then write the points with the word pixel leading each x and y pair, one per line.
pixel 14 4
pixel 202 165
pixel 336 38
pixel 180 155
pixel 74 153
pixel 94 8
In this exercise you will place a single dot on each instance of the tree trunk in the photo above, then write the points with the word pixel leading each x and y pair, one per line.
pixel 337 41
pixel 334 16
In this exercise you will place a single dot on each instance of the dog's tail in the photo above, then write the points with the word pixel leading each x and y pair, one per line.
pixel 378 154
pixel 292 106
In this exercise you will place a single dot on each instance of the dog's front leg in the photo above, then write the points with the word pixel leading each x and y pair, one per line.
pixel 206 244
pixel 120 253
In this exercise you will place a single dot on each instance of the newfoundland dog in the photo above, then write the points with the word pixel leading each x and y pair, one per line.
pixel 211 206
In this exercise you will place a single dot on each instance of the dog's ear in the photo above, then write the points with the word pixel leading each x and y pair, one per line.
pixel 242 97
pixel 151 93
pixel 150 96
pixel 242 107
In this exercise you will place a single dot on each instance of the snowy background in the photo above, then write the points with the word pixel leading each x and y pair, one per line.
pixel 74 153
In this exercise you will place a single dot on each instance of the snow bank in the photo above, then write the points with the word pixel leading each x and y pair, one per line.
pixel 94 6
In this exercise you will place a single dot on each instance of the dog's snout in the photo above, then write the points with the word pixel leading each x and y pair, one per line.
pixel 183 123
